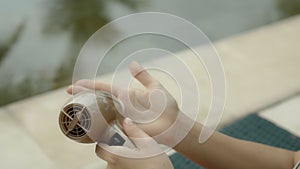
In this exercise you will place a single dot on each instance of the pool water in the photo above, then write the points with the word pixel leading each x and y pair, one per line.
pixel 40 39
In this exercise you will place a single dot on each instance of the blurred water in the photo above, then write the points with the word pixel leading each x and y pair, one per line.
pixel 40 39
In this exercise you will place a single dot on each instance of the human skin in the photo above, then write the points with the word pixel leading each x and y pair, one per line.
pixel 218 152
pixel 144 143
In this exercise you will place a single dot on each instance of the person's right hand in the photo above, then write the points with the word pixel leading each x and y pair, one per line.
pixel 146 155
pixel 153 109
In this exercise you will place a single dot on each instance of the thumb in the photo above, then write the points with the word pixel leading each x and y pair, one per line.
pixel 137 135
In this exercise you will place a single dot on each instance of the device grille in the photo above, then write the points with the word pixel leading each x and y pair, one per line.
pixel 75 120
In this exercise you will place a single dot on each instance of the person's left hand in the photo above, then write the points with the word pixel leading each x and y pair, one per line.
pixel 153 109
pixel 147 154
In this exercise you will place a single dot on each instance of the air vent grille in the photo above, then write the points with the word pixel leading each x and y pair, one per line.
pixel 75 120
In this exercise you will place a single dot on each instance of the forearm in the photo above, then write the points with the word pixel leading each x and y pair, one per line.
pixel 221 151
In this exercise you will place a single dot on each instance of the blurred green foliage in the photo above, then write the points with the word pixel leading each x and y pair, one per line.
pixel 8 45
pixel 289 7
pixel 81 18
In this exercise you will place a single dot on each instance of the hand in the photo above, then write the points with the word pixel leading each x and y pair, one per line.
pixel 157 118
pixel 134 158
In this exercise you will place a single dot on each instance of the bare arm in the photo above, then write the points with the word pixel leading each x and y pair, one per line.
pixel 221 151
pixel 218 152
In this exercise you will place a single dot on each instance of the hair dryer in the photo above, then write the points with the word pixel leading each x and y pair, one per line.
pixel 90 116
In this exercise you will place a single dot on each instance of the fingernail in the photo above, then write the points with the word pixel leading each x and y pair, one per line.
pixel 127 122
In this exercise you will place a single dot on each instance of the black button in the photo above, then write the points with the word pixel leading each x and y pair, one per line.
pixel 116 140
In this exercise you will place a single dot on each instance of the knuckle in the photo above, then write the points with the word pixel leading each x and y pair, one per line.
pixel 82 81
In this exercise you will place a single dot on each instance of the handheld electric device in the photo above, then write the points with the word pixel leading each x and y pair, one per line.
pixel 90 116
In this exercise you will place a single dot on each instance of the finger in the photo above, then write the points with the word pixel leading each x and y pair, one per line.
pixel 142 75
pixel 97 85
pixel 110 166
pixel 137 135
pixel 75 89
pixel 113 154
pixel 104 154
